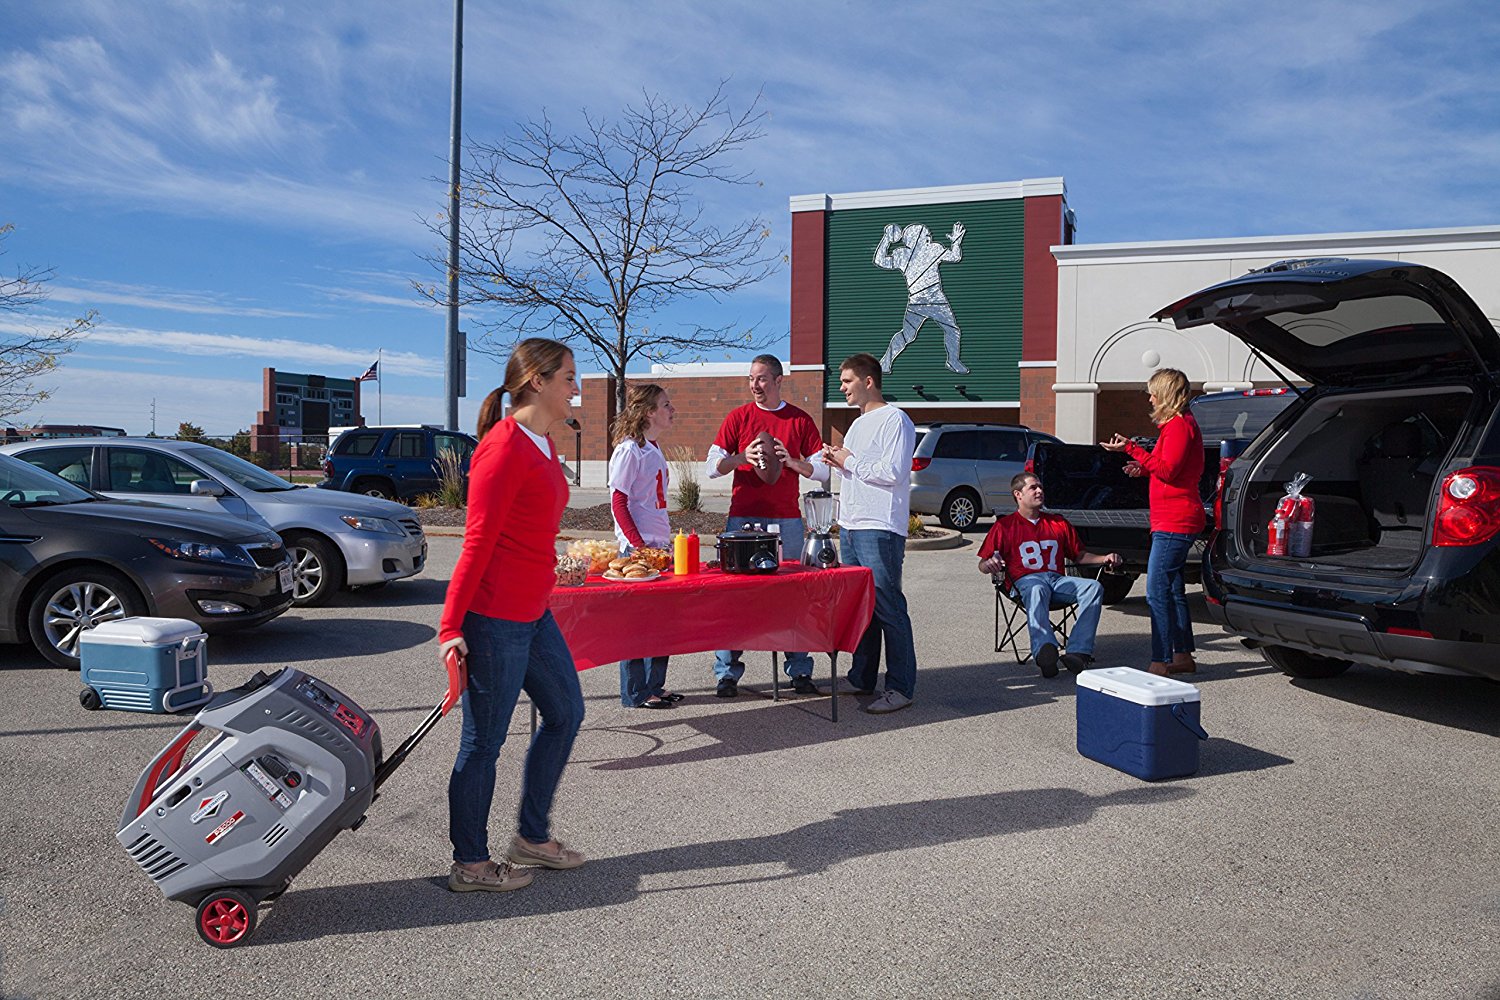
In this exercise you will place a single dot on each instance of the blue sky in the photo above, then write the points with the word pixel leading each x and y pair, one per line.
pixel 234 185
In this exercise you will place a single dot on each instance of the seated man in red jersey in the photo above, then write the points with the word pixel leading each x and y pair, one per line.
pixel 1029 547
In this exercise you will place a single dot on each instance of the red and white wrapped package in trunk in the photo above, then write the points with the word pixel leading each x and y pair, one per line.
pixel 1289 532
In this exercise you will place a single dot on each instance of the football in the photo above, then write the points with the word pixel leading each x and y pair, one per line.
pixel 769 468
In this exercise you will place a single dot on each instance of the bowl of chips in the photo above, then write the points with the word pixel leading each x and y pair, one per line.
pixel 597 551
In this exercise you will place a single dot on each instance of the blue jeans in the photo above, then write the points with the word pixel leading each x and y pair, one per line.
pixel 1171 623
pixel 883 552
pixel 506 657
pixel 1038 591
pixel 727 662
pixel 642 679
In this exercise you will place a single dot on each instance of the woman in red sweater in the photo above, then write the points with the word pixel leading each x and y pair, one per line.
pixel 496 617
pixel 1175 466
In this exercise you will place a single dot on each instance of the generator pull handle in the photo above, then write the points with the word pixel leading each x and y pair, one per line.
pixel 161 770
pixel 458 679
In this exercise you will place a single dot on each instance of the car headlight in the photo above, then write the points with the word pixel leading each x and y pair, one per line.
pixel 379 524
pixel 202 551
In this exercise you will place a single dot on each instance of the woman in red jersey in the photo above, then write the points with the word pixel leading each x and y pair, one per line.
pixel 496 618
pixel 1175 466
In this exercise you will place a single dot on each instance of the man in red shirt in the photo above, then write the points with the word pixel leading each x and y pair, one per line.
pixel 1030 547
pixel 795 439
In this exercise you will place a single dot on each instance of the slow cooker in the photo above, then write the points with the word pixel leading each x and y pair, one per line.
pixel 749 552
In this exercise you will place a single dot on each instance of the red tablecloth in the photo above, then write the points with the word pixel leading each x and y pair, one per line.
pixel 813 610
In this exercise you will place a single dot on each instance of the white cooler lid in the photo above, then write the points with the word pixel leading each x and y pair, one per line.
pixel 1137 686
pixel 142 631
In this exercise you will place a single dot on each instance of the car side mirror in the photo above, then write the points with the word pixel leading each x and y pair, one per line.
pixel 206 488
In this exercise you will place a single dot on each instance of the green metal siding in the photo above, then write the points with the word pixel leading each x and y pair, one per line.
pixel 866 303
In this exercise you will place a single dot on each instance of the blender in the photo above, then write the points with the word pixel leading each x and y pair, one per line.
pixel 819 511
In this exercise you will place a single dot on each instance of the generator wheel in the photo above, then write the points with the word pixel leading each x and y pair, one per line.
pixel 226 918
pixel 89 699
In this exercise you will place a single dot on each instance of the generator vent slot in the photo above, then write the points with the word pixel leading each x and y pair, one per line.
pixel 276 833
pixel 155 860
pixel 297 719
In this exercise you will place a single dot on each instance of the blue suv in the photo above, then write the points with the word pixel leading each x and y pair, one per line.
pixel 394 463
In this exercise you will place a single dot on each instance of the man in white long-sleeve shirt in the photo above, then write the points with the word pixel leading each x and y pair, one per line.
pixel 874 468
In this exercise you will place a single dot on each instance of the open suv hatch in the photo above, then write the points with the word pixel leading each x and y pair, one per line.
pixel 1398 432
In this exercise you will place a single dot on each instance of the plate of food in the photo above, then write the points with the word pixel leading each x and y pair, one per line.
pixel 617 577
pixel 630 570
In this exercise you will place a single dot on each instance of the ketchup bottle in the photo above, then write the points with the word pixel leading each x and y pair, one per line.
pixel 694 556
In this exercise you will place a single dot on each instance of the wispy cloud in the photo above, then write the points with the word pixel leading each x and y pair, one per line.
pixel 102 293
pixel 272 351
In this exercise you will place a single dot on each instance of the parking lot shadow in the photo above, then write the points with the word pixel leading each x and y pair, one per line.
pixel 867 831
pixel 411 593
pixel 293 639
pixel 1469 703
pixel 1221 756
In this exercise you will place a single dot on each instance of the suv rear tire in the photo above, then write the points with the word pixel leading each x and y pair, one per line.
pixel 1296 663
pixel 374 488
pixel 1117 586
pixel 960 509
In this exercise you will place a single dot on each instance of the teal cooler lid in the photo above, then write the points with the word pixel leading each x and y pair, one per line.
pixel 1138 686
pixel 143 631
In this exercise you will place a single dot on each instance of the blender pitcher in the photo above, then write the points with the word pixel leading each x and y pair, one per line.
pixel 819 511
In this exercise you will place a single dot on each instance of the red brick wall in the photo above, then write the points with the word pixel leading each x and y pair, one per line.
pixel 1038 401
pixel 808 287
pixel 1044 230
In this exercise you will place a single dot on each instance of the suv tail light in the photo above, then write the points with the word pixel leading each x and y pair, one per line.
pixel 918 464
pixel 1468 507
pixel 1224 464
pixel 327 468
pixel 1030 465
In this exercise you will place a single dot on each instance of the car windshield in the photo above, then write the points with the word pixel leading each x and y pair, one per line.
pixel 252 477
pixel 1238 417
pixel 24 485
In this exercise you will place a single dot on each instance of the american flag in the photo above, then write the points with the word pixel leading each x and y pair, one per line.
pixel 373 372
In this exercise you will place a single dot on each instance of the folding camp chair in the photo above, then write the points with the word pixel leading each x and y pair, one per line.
pixel 1010 620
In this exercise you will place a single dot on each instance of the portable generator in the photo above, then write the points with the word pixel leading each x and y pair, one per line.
pixel 284 763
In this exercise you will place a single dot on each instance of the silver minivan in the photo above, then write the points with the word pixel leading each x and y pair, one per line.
pixel 962 472
pixel 336 540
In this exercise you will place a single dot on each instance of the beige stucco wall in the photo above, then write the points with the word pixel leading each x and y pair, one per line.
pixel 1106 338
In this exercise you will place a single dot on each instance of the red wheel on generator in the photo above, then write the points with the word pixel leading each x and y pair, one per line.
pixel 226 918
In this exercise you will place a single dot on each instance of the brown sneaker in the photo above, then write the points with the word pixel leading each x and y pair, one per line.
pixel 1182 663
pixel 524 852
pixel 494 878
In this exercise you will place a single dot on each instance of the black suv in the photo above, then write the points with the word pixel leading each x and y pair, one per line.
pixel 1398 431
pixel 1111 511
pixel 394 463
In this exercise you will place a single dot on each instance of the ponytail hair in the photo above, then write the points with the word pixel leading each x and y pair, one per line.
pixel 640 403
pixel 534 357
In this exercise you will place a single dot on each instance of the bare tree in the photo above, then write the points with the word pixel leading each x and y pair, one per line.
pixel 584 237
pixel 28 353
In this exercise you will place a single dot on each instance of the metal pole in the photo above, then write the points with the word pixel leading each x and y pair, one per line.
pixel 450 368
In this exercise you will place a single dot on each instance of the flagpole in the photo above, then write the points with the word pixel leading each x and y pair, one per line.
pixel 379 388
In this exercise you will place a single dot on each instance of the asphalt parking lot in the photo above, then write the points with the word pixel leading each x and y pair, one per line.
pixel 1339 840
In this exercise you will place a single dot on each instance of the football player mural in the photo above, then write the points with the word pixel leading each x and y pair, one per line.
pixel 912 251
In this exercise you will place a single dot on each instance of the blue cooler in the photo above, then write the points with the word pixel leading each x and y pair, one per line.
pixel 144 665
pixel 1140 723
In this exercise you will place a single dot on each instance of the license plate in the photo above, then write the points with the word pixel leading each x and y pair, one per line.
pixel 285 574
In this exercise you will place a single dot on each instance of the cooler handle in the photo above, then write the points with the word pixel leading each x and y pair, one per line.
pixel 1180 714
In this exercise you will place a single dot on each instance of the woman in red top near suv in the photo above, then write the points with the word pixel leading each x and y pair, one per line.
pixel 1175 465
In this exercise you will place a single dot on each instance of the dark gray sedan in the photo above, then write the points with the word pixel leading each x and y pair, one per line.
pixel 70 559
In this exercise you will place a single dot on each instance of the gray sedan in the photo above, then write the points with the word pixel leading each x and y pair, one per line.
pixel 70 559
pixel 337 540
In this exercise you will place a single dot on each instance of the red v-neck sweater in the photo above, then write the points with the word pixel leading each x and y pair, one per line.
pixel 516 499
pixel 1175 465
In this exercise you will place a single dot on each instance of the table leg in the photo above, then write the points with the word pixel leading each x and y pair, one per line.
pixel 833 682
pixel 775 677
